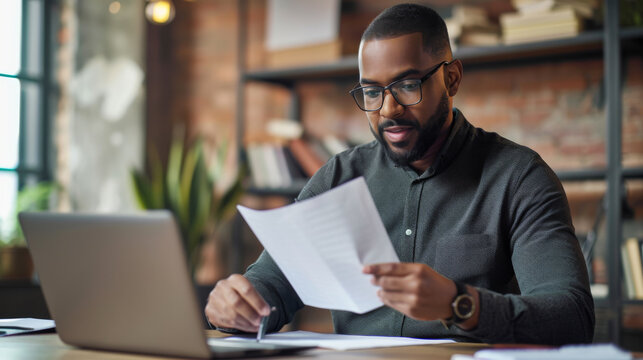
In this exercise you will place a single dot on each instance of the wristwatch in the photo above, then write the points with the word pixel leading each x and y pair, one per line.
pixel 463 306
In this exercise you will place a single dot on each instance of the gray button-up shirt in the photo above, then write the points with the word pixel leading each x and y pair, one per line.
pixel 489 213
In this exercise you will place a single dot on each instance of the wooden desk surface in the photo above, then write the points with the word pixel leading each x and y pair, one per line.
pixel 49 346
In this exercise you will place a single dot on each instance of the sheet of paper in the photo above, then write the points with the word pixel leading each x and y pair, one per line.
pixel 338 341
pixel 322 243
pixel 569 352
pixel 24 325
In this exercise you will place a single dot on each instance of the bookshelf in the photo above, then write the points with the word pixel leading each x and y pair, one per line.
pixel 587 43
pixel 610 43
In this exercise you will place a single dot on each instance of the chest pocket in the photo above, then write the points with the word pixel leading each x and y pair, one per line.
pixel 476 259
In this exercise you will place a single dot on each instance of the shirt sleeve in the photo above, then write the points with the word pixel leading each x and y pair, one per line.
pixel 555 305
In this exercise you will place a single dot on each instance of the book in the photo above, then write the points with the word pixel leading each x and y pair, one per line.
pixel 537 20
pixel 558 31
pixel 305 55
pixel 470 26
pixel 305 156
pixel 585 8
pixel 258 172
pixel 285 179
pixel 636 268
pixel 540 26
pixel 627 273
pixel 479 37
pixel 270 163
pixel 319 149
pixel 297 173
pixel 333 145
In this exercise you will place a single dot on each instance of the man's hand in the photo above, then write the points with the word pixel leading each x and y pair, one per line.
pixel 413 289
pixel 234 303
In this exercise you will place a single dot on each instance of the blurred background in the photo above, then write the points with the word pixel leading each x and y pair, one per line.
pixel 115 105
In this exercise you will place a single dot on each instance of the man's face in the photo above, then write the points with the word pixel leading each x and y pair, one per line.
pixel 407 132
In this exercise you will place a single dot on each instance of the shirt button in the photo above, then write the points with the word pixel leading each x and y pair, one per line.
pixel 408 232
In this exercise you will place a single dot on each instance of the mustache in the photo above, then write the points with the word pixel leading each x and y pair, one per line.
pixel 398 122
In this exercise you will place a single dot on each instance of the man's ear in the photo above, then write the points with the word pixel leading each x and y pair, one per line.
pixel 453 77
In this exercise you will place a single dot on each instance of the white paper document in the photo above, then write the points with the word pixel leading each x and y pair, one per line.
pixel 321 245
pixel 338 341
pixel 568 352
pixel 24 325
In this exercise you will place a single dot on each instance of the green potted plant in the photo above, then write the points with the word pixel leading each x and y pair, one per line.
pixel 187 187
pixel 15 260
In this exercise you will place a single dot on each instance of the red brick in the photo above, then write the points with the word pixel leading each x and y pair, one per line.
pixel 634 146
pixel 568 83
pixel 490 121
pixel 534 118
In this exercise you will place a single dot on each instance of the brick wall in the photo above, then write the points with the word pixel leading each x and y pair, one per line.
pixel 204 72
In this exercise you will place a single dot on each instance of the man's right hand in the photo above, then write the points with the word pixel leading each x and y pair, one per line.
pixel 235 304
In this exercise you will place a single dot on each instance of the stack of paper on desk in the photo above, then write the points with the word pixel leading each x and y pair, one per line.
pixel 322 243
pixel 339 341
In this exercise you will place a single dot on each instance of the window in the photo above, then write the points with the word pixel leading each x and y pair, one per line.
pixel 24 99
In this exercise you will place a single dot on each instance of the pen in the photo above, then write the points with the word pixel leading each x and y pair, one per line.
pixel 16 328
pixel 263 324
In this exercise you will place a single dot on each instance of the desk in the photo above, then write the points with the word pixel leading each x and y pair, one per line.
pixel 49 346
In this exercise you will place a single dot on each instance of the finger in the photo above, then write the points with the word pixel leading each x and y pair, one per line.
pixel 394 283
pixel 218 311
pixel 227 308
pixel 245 289
pixel 395 302
pixel 241 307
pixel 236 322
pixel 243 325
pixel 405 308
pixel 398 269
pixel 396 297
pixel 227 317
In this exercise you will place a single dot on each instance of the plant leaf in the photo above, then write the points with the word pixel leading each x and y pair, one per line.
pixel 157 182
pixel 226 206
pixel 141 189
pixel 185 186
pixel 174 165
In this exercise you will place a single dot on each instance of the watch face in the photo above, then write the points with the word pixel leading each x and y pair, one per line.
pixel 464 306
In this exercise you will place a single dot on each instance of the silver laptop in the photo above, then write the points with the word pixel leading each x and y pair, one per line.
pixel 121 283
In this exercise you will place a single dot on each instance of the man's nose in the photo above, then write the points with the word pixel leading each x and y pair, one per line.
pixel 390 107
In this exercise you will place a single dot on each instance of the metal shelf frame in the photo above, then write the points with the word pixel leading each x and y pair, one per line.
pixel 614 176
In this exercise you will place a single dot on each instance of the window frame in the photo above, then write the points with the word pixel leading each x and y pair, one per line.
pixel 43 81
pixel 42 171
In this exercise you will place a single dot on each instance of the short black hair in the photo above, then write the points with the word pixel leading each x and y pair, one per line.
pixel 406 19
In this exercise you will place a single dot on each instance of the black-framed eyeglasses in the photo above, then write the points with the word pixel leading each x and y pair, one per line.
pixel 406 92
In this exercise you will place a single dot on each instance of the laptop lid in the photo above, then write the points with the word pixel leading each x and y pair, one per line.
pixel 117 282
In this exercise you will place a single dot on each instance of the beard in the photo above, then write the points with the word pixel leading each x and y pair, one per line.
pixel 427 134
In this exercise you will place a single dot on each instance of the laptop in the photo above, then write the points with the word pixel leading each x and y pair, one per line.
pixel 121 283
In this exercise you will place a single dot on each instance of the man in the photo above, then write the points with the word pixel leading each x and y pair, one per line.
pixel 481 225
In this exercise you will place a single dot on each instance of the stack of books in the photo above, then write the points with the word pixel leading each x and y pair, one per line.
pixel 290 164
pixel 540 20
pixel 469 25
